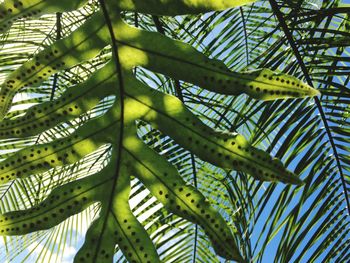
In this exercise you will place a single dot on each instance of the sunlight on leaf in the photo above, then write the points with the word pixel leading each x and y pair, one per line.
pixel 129 156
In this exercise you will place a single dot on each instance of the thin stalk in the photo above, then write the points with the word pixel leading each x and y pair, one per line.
pixel 300 60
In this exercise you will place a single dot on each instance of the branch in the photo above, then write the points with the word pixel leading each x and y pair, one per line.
pixel 297 54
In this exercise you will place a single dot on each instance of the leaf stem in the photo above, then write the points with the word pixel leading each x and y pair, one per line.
pixel 300 60
pixel 121 100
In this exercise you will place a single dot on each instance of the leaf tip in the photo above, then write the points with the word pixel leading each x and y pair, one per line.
pixel 315 92
pixel 294 179
pixel 299 181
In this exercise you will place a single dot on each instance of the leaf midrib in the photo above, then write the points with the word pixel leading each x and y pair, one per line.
pixel 302 65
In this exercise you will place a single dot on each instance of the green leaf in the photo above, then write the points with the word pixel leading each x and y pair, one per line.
pixel 72 121
pixel 62 203
pixel 175 7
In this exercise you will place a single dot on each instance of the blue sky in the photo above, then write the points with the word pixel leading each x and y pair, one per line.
pixel 70 250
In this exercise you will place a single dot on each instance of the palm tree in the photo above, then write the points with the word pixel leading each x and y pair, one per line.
pixel 112 131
